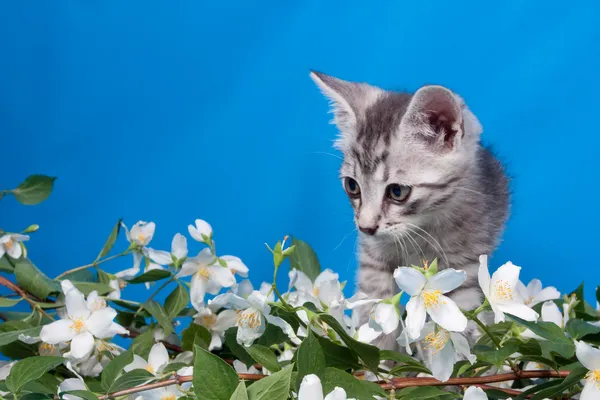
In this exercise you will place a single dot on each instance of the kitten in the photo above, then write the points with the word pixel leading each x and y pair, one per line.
pixel 420 182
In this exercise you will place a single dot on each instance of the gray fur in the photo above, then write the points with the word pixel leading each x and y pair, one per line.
pixel 429 141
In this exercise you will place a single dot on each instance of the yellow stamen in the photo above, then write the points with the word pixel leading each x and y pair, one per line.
pixel 168 397
pixel 432 298
pixel 249 318
pixel 316 291
pixel 46 349
pixel 98 304
pixel 8 245
pixel 141 238
pixel 436 341
pixel 204 273
pixel 503 290
pixel 150 369
pixel 78 325
pixel 209 320
pixel 594 377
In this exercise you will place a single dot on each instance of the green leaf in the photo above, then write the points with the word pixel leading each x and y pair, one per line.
pixel 160 315
pixel 30 369
pixel 577 329
pixel 272 335
pixel 237 349
pixel 423 393
pixel 16 349
pixel 264 356
pixel 496 356
pixel 539 360
pixel 37 396
pixel 573 379
pixel 556 341
pixel 11 336
pixel 5 265
pixel 398 357
pixel 338 356
pixel 114 368
pixel 4 302
pixel 110 242
pixel 131 379
pixel 84 275
pixel 274 387
pixel 310 358
pixel 47 383
pixel 197 335
pixel 305 259
pixel 84 394
pixel 88 287
pixel 34 281
pixel 34 190
pixel 142 344
pixel 355 388
pixel 367 353
pixel 240 392
pixel 580 307
pixel 213 379
pixel 151 276
pixel 177 300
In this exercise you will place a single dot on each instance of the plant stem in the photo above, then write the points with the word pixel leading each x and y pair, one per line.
pixel 486 330
pixel 156 292
pixel 25 296
pixel 94 264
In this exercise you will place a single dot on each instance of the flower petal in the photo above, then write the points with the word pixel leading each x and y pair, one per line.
pixel 219 278
pixel 251 325
pixel 100 321
pixel 259 301
pixel 520 310
pixel 137 363
pixel 225 320
pixel 326 276
pixel 446 280
pixel 310 388
pixel 415 316
pixel 591 391
pixel 551 313
pixel 82 345
pixel 15 251
pixel 461 346
pixel 386 317
pixel 76 305
pixel 447 315
pixel 283 324
pixel 508 274
pixel 337 394
pixel 160 257
pixel 549 293
pixel 197 291
pixel 244 288
pixel 202 228
pixel 158 358
pixel 483 275
pixel 475 393
pixel 409 280
pixel 442 362
pixel 236 265
pixel 190 267
pixel 366 334
pixel 57 332
pixel 179 246
pixel 588 355
pixel 300 281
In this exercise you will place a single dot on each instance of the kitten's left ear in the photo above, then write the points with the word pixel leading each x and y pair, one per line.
pixel 440 117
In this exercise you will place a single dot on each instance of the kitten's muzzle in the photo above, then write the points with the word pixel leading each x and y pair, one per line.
pixel 368 230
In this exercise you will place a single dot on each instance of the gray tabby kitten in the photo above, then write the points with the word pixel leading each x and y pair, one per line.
pixel 420 182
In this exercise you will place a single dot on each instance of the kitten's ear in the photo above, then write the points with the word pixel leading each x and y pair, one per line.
pixel 440 117
pixel 348 99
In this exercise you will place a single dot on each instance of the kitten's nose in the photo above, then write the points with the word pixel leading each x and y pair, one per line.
pixel 369 230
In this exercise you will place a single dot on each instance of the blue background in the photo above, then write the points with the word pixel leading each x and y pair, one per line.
pixel 171 111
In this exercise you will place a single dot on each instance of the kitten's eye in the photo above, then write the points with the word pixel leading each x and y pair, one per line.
pixel 398 193
pixel 351 187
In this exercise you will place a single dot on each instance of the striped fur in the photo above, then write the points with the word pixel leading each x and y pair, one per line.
pixel 430 142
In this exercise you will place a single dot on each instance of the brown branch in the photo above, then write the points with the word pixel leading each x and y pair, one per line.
pixel 31 299
pixel 396 383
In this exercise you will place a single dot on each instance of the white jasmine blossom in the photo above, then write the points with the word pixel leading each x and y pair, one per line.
pixel 10 244
pixel 241 368
pixel 84 322
pixel 140 234
pixel 590 358
pixel 216 324
pixel 534 293
pixel 311 389
pixel 178 252
pixel 501 291
pixel 427 297
pixel 201 232
pixel 550 313
pixel 158 359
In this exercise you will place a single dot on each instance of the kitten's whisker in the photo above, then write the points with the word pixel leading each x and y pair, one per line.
pixel 327 154
pixel 344 238
pixel 408 236
pixel 432 238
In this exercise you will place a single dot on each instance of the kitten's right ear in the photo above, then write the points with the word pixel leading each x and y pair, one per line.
pixel 348 99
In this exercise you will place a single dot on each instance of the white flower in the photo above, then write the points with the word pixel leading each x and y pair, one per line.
pixel 115 284
pixel 475 393
pixel 207 276
pixel 141 233
pixel 217 324
pixel 164 393
pixel 83 322
pixel 427 297
pixel 501 292
pixel 533 293
pixel 69 385
pixel 178 252
pixel 590 358
pixel 236 265
pixel 444 349
pixel 311 389
pixel 202 232
pixel 252 321
pixel 325 291
pixel 158 359
pixel 11 244
pixel 94 365
pixel 241 368
pixel 550 313
pixel 5 368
